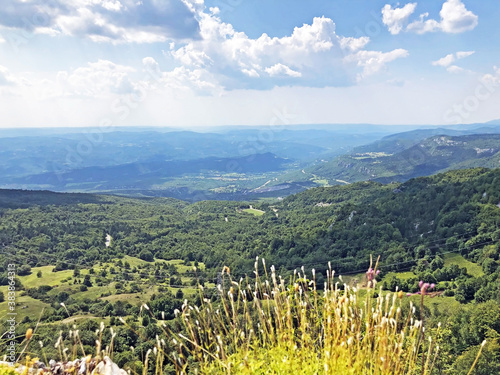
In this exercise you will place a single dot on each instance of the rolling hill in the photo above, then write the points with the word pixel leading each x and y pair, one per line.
pixel 432 155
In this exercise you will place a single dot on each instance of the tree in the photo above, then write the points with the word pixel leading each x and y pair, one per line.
pixel 167 304
pixel 489 266
pixel 24 270
pixel 39 274
pixel 86 281
pixel 146 255
pixel 465 291
pixel 61 297
pixel 179 294
pixel 437 263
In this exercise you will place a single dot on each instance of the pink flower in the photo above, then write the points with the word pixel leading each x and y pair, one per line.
pixel 424 288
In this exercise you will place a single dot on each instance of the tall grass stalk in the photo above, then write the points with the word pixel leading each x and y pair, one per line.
pixel 268 325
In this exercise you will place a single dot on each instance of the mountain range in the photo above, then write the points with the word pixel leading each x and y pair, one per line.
pixel 236 162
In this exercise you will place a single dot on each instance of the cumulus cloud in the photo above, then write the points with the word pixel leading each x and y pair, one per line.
pixel 374 61
pixel 205 55
pixel 6 77
pixel 282 70
pixel 98 80
pixel 198 80
pixel 396 18
pixel 455 18
pixel 492 80
pixel 448 60
pixel 445 61
pixel 463 54
pixel 313 54
pixel 115 21
pixel 455 69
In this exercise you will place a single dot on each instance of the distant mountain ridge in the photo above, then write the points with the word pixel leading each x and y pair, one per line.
pixel 118 176
pixel 432 155
pixel 231 162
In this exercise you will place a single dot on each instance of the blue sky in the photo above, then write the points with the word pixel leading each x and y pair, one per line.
pixel 239 62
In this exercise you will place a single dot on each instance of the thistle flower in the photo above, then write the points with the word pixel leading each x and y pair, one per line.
pixel 371 274
pixel 425 288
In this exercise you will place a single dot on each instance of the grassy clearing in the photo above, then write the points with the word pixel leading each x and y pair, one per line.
pixel 444 304
pixel 64 281
pixel 354 280
pixel 48 277
pixel 473 269
pixel 321 182
pixel 182 268
pixel 76 318
pixel 134 262
pixel 254 212
pixel 94 292
pixel 399 275
pixel 132 298
pixel 25 306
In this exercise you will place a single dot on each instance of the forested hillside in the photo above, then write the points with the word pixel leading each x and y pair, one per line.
pixel 407 156
pixel 103 255
pixel 456 211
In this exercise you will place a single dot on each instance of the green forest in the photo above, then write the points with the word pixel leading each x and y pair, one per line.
pixel 83 258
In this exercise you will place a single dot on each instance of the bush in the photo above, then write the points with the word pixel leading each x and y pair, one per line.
pixel 146 255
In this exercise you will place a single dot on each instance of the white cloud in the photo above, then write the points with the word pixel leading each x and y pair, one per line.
pixel 113 21
pixel 492 80
pixel 188 55
pixel 196 79
pixel 445 61
pixel 423 26
pixel 455 18
pixel 97 80
pixel 448 60
pixel 314 52
pixel 217 59
pixel 110 5
pixel 463 54
pixel 354 44
pixel 374 61
pixel 251 73
pixel 396 18
pixel 455 69
pixel 282 70
pixel 6 77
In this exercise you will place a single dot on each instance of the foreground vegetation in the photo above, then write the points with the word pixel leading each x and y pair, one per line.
pixel 274 326
pixel 270 325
